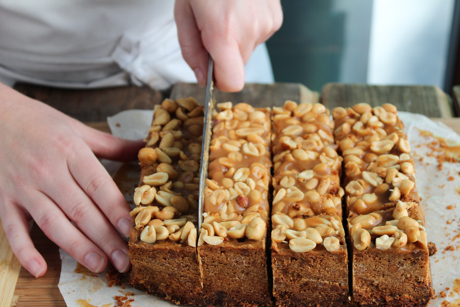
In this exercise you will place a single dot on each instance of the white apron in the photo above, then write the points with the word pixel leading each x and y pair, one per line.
pixel 98 43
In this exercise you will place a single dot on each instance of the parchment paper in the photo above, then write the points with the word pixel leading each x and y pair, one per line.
pixel 440 200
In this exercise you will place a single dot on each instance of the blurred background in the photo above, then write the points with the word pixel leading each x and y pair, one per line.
pixel 367 41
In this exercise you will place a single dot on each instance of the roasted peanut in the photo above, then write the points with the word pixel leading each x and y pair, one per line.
pixel 331 244
pixel 279 234
pixel 367 221
pixel 314 235
pixel 384 242
pixel 406 186
pixel 282 219
pixel 361 239
pixel 148 235
pixel 301 245
pixel 147 156
pixel 180 203
pixel 384 230
pixel 354 188
pixel 400 239
pixel 372 178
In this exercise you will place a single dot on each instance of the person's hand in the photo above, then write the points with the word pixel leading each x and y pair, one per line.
pixel 229 30
pixel 48 172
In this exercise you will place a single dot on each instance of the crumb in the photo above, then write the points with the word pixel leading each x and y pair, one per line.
pixel 451 178
pixel 118 125
pixel 449 248
pixel 113 277
pixel 442 293
pixel 450 207
pixel 432 248
pixel 447 288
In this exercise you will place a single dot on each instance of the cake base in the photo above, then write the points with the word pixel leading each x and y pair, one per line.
pixel 235 274
pixel 314 278
pixel 168 270
pixel 391 277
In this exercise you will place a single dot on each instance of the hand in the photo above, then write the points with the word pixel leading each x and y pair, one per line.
pixel 48 172
pixel 229 30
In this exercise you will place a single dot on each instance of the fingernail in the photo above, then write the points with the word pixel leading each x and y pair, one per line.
pixel 199 76
pixel 94 262
pixel 120 260
pixel 34 268
pixel 124 225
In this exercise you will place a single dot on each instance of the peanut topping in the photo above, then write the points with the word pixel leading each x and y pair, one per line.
pixel 361 239
pixel 384 242
pixel 332 244
pixel 301 245
pixel 148 235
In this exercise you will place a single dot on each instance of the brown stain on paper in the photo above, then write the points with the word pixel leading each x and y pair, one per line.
pixel 81 269
pixel 84 303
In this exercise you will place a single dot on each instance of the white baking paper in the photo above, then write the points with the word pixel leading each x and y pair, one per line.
pixel 436 191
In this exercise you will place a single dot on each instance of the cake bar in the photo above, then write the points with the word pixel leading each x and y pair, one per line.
pixel 232 238
pixel 390 265
pixel 162 244
pixel 309 254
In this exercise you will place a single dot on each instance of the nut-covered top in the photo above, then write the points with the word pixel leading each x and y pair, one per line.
pixel 167 196
pixel 399 229
pixel 236 194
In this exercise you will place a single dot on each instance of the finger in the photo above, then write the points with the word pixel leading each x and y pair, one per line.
pixel 94 180
pixel 16 228
pixel 228 62
pixel 90 220
pixel 57 227
pixel 105 145
pixel 190 42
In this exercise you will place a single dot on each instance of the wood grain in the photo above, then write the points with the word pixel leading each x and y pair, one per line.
pixel 9 270
pixel 260 95
pixel 93 105
pixel 427 100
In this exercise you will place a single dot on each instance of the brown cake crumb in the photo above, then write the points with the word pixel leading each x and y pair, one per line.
pixel 450 207
pixel 113 277
pixel 432 248
pixel 449 248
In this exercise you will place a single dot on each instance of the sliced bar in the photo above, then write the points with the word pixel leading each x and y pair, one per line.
pixel 309 254
pixel 390 265
pixel 232 240
pixel 162 243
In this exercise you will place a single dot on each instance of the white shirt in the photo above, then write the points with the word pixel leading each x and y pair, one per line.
pixel 98 43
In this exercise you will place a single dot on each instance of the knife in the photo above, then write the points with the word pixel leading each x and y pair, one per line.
pixel 208 110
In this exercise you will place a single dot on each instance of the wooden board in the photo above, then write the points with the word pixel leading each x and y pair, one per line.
pixel 258 95
pixel 427 100
pixel 93 105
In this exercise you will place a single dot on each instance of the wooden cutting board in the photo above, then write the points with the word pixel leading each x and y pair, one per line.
pixel 44 291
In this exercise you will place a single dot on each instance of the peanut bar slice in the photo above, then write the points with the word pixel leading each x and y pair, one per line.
pixel 162 243
pixel 309 254
pixel 390 265
pixel 232 239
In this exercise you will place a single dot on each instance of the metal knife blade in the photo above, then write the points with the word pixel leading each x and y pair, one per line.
pixel 209 107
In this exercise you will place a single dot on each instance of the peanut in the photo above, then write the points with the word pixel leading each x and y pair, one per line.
pixel 361 239
pixel 301 245
pixel 148 235
pixel 331 244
